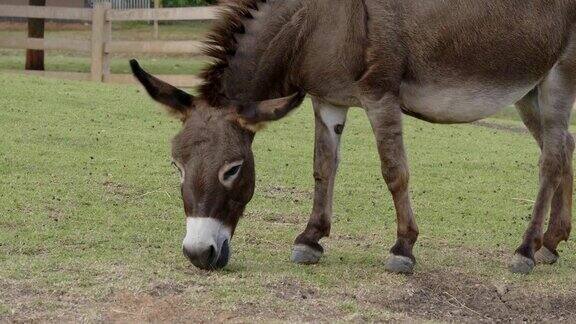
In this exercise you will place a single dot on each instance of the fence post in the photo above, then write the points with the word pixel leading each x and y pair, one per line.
pixel 101 33
pixel 107 38
pixel 157 4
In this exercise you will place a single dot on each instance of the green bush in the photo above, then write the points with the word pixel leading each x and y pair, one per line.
pixel 187 3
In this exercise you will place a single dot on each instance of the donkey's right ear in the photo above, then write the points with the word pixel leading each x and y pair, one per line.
pixel 176 101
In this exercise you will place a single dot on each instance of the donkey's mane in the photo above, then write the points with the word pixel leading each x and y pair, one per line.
pixel 221 46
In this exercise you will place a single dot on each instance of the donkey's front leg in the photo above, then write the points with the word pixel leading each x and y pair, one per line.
pixel 386 118
pixel 329 127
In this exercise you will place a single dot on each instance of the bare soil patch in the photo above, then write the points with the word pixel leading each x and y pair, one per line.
pixel 289 289
pixel 117 190
pixel 450 296
pixel 293 193
pixel 26 303
pixel 437 296
pixel 279 218
pixel 169 302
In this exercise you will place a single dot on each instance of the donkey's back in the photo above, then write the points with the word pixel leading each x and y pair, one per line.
pixel 476 56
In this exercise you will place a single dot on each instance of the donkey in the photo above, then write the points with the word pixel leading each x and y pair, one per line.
pixel 443 61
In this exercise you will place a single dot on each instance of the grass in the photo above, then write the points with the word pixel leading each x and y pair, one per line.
pixel 91 220
pixel 156 64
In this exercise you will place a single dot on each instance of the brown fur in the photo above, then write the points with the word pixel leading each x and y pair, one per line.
pixel 386 56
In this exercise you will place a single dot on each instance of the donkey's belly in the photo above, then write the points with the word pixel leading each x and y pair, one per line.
pixel 458 104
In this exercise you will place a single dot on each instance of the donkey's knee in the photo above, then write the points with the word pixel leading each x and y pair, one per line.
pixel 397 177
pixel 556 161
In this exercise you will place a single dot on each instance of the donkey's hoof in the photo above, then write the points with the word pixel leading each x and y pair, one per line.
pixel 521 264
pixel 545 256
pixel 303 254
pixel 399 264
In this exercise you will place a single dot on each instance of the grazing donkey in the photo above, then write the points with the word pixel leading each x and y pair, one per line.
pixel 443 61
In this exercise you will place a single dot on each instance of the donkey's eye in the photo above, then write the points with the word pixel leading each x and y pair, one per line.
pixel 232 172
pixel 229 172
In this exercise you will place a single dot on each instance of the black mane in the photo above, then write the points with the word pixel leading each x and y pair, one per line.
pixel 221 46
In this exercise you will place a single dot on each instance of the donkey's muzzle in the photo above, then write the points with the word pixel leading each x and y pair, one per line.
pixel 206 243
pixel 209 257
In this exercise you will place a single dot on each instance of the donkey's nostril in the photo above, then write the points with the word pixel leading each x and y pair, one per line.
pixel 202 257
pixel 224 256
pixel 211 254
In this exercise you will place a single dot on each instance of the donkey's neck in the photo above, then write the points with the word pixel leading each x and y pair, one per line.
pixel 260 57
pixel 260 68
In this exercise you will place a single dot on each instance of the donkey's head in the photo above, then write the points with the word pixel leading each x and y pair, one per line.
pixel 213 153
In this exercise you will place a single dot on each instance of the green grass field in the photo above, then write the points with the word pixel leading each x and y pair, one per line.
pixel 91 221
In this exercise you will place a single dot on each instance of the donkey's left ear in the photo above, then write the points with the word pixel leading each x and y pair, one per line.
pixel 176 101
pixel 268 110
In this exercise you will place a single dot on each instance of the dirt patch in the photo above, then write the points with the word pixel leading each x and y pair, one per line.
pixel 166 288
pixel 450 296
pixel 436 295
pixel 279 218
pixel 117 190
pixel 22 302
pixel 178 303
pixel 293 193
pixel 56 214
pixel 138 307
pixel 290 289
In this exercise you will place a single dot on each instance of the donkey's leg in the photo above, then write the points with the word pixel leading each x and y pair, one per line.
pixel 329 127
pixel 560 225
pixel 530 113
pixel 555 100
pixel 386 119
pixel 561 209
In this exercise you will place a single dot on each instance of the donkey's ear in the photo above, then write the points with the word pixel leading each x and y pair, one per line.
pixel 177 102
pixel 269 110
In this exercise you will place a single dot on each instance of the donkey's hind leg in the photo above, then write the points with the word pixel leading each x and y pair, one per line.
pixel 560 223
pixel 530 113
pixel 560 214
pixel 329 127
pixel 555 98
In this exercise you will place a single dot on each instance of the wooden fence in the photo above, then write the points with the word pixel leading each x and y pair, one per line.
pixel 101 45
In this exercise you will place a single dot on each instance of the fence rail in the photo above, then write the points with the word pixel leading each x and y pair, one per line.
pixel 100 45
pixel 44 44
pixel 156 47
pixel 193 13
pixel 61 13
